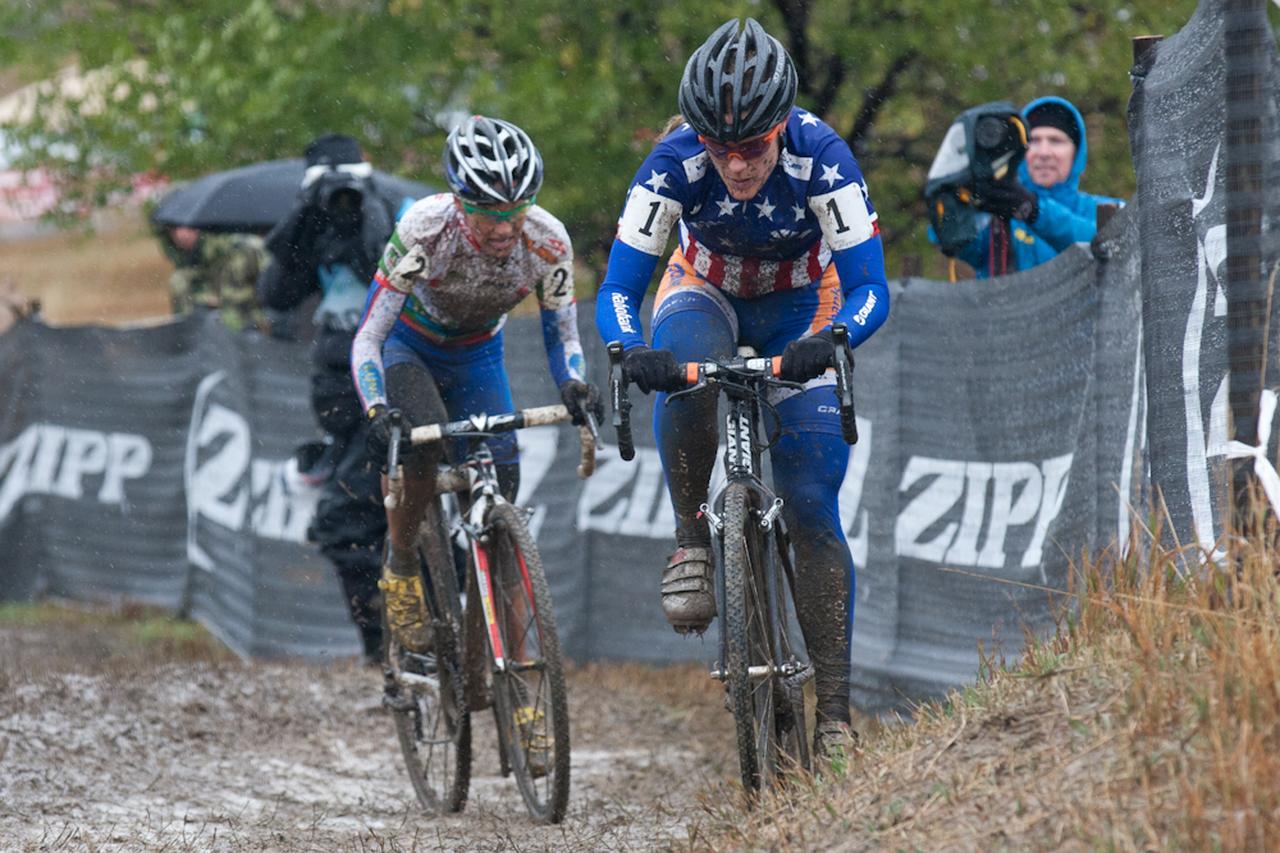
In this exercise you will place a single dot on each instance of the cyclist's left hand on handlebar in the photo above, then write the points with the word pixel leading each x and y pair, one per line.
pixel 807 357
pixel 379 437
pixel 580 398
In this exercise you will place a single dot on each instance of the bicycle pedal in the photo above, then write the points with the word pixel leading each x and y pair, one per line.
pixel 419 664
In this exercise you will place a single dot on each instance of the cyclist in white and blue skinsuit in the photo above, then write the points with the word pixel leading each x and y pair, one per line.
pixel 430 338
pixel 778 240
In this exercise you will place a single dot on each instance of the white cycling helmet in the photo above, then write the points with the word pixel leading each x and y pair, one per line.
pixel 491 161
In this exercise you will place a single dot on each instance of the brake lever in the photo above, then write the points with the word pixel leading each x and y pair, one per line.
pixel 774 382
pixel 621 401
pixel 395 478
pixel 594 428
pixel 674 395
pixel 842 358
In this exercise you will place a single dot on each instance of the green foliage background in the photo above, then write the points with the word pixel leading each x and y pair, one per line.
pixel 227 82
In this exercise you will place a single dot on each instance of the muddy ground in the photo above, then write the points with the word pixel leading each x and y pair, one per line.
pixel 109 743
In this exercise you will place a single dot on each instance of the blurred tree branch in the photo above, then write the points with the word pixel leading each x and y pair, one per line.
pixel 228 82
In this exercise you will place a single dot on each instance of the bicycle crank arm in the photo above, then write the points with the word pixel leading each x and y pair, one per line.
pixel 525 666
pixel 415 678
pixel 763 670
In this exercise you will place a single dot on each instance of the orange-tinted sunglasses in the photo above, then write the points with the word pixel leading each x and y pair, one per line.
pixel 748 149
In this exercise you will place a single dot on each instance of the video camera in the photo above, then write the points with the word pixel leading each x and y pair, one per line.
pixel 337 186
pixel 984 144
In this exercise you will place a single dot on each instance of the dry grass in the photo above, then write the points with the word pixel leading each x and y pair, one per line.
pixel 116 273
pixel 88 638
pixel 1151 721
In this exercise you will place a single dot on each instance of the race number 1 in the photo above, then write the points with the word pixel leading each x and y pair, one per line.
pixel 843 214
pixel 647 220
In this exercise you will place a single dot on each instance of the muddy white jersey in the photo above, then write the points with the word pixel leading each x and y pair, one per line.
pixel 434 287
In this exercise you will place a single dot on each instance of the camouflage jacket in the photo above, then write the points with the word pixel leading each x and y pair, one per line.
pixel 221 273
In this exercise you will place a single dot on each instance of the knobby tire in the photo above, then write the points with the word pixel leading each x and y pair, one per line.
pixel 768 715
pixel 737 569
pixel 541 687
pixel 435 735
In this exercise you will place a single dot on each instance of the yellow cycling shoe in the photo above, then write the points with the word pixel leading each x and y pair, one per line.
pixel 534 739
pixel 406 607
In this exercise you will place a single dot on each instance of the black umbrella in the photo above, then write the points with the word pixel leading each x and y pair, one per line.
pixel 256 197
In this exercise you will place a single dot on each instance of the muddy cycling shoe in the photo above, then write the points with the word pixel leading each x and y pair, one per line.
pixel 532 723
pixel 834 742
pixel 406 611
pixel 688 595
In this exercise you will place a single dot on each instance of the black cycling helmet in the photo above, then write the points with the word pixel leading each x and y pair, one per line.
pixel 491 161
pixel 739 84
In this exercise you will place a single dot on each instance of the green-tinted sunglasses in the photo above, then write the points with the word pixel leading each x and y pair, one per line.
pixel 499 214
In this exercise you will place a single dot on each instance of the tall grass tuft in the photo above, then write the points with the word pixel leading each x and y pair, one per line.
pixel 1150 720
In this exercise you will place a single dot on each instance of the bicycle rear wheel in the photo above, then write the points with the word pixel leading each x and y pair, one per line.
pixel 766 701
pixel 530 699
pixel 432 723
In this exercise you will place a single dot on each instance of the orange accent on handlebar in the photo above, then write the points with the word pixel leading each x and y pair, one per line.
pixel 691 373
pixel 775 364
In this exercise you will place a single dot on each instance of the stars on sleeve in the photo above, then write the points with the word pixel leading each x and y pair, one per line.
pixel 766 209
pixel 799 211
pixel 807 118
pixel 657 180
pixel 726 206
pixel 831 174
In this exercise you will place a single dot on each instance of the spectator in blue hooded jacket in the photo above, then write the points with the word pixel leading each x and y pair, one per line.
pixel 1046 208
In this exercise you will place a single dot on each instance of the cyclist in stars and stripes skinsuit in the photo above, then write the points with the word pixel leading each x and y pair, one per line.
pixel 777 240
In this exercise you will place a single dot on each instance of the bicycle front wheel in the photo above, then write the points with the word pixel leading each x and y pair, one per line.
pixel 530 699
pixel 432 723
pixel 766 702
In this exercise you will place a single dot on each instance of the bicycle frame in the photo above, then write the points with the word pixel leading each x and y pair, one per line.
pixel 743 456
pixel 482 487
pixel 477 476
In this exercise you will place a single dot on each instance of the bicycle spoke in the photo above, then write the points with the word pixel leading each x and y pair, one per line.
pixel 769 725
pixel 432 723
pixel 529 693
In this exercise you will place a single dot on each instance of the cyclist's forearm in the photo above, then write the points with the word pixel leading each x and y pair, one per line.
pixel 866 291
pixel 618 302
pixel 380 313
pixel 564 349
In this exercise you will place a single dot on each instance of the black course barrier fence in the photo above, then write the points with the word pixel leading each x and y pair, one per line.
pixel 1007 428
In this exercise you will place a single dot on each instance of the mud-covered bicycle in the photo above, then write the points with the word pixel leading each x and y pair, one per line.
pixel 498 646
pixel 763 671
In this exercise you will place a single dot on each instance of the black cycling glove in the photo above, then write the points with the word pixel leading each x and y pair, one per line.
pixel 652 369
pixel 581 397
pixel 807 357
pixel 378 439
pixel 1008 199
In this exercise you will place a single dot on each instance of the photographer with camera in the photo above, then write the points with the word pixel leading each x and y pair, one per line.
pixel 1035 211
pixel 330 244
